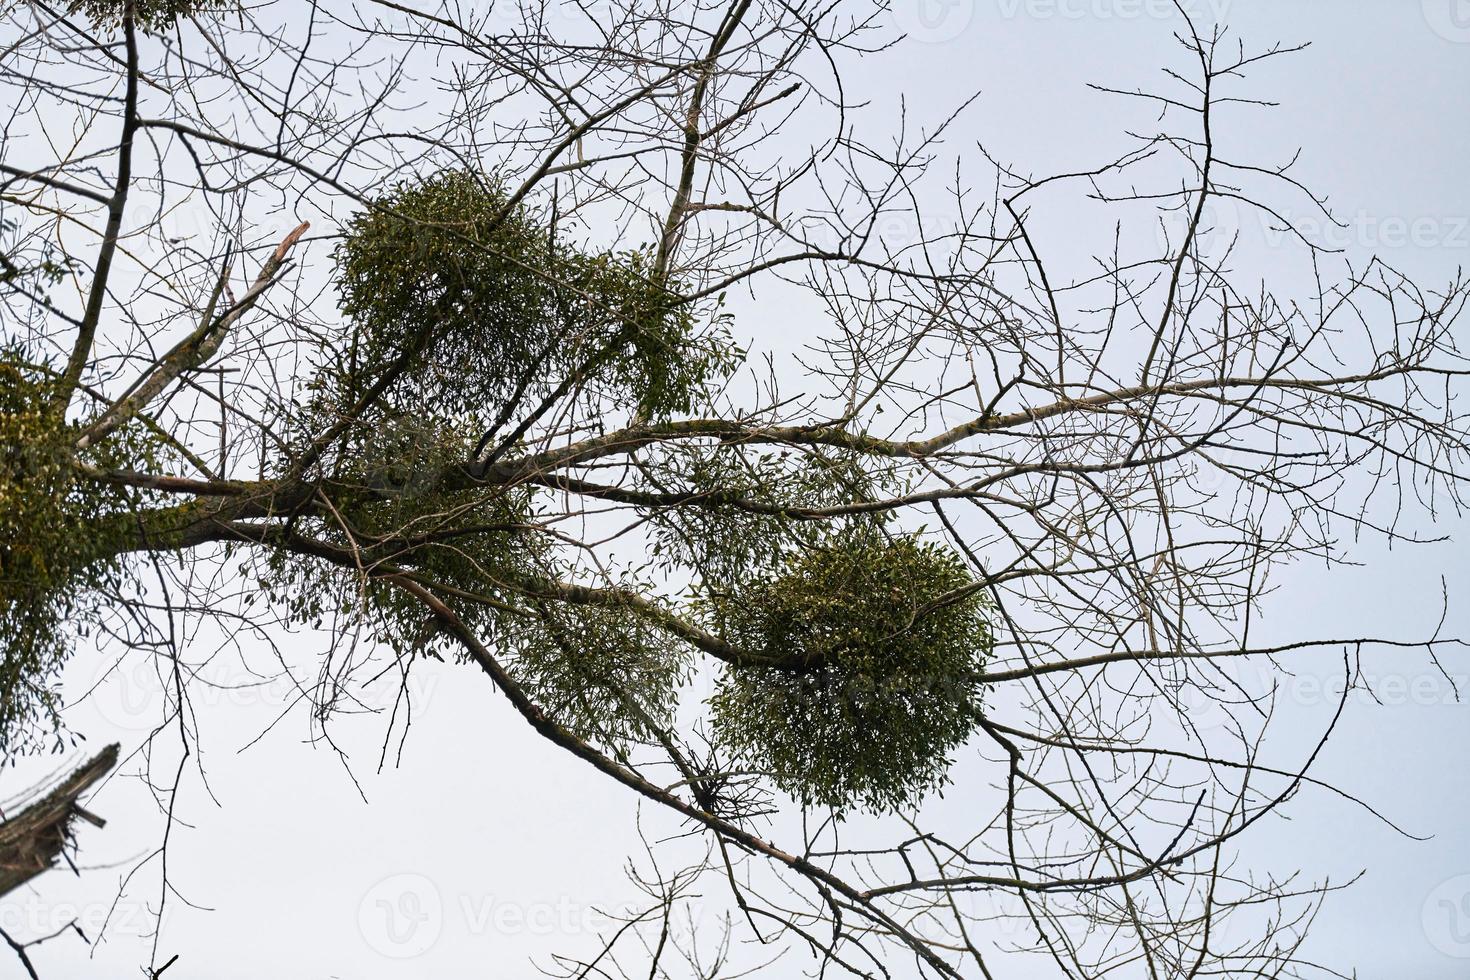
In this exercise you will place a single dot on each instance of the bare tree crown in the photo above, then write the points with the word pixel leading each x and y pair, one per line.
pixel 438 331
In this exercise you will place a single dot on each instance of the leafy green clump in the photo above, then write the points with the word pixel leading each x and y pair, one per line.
pixel 750 502
pixel 604 673
pixel 877 644
pixel 391 510
pixel 151 15
pixel 468 302
pixel 54 550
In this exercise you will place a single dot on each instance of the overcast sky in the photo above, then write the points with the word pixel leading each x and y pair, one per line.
pixel 482 845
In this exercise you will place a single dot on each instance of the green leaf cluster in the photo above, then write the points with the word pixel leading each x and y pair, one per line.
pixel 468 301
pixel 742 519
pixel 58 542
pixel 391 510
pixel 605 673
pixel 877 642
pixel 150 15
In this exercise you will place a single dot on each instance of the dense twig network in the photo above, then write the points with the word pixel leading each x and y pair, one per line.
pixel 432 329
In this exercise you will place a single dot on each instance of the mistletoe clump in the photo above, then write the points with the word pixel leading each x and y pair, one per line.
pixel 744 528
pixel 605 673
pixel 395 508
pixel 874 645
pixel 56 548
pixel 151 15
pixel 462 299
pixel 400 509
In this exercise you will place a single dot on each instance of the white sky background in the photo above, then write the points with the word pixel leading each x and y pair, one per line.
pixel 516 841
